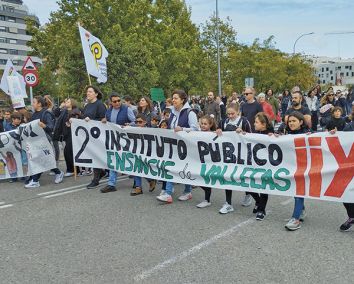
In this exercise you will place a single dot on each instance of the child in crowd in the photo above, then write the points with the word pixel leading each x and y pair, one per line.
pixel 262 125
pixel 155 120
pixel 166 114
pixel 337 121
pixel 207 124
pixel 236 123
pixel 141 121
pixel 163 124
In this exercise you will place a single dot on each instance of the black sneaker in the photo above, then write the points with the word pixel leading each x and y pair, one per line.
pixel 93 184
pixel 108 188
pixel 347 225
pixel 260 216
pixel 255 209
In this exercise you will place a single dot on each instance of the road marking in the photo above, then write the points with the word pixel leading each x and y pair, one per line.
pixel 286 202
pixel 76 186
pixel 6 206
pixel 82 187
pixel 147 273
pixel 62 193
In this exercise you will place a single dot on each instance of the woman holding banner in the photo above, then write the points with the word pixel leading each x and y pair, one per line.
pixel 94 110
pixel 146 108
pixel 182 118
pixel 296 125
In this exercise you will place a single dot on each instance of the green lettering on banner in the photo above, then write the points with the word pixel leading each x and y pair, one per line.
pixel 109 160
pixel 286 181
pixel 218 173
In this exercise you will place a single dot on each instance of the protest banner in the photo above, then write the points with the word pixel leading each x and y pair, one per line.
pixel 318 166
pixel 95 55
pixel 9 72
pixel 25 151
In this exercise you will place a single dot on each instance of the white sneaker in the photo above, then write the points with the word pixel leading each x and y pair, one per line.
pixel 203 204
pixel 185 197
pixel 293 224
pixel 247 200
pixel 68 174
pixel 59 177
pixel 32 184
pixel 226 208
pixel 163 192
pixel 165 198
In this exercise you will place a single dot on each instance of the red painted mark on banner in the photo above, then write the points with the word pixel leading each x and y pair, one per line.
pixel 316 166
pixel 345 173
pixel 301 162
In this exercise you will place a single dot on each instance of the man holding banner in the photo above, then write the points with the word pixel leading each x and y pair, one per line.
pixel 119 114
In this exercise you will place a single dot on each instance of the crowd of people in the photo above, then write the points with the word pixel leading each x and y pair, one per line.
pixel 289 113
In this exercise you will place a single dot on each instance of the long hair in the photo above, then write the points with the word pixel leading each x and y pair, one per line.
pixel 149 104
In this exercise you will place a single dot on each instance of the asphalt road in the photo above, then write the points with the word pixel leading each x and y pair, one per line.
pixel 68 234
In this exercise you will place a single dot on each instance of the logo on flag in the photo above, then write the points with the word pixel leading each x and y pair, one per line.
pixel 95 55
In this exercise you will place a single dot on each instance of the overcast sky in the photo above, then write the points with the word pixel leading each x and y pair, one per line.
pixel 285 19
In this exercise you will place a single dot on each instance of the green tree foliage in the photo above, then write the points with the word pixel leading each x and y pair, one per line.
pixel 154 44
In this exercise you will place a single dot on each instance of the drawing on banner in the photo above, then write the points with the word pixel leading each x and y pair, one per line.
pixel 25 151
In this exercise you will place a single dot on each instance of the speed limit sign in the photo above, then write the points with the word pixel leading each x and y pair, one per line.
pixel 31 78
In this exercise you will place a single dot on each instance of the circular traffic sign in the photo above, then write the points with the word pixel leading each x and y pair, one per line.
pixel 31 78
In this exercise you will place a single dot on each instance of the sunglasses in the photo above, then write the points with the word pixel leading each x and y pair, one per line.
pixel 115 101
pixel 330 95
pixel 246 94
pixel 139 121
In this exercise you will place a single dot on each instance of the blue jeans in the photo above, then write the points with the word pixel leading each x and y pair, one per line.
pixel 112 180
pixel 299 206
pixel 169 188
pixel 138 181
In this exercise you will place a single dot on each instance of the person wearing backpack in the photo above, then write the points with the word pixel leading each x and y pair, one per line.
pixel 47 122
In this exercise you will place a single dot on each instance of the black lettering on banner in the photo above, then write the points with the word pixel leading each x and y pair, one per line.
pixel 256 148
pixel 249 154
pixel 184 174
pixel 275 148
pixel 228 153
pixel 4 140
pixel 149 139
pixel 182 150
pixel 160 149
pixel 83 146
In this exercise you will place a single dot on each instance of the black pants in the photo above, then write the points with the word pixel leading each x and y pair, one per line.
pixel 350 209
pixel 207 192
pixel 314 120
pixel 253 194
pixel 36 177
pixel 97 175
pixel 263 199
pixel 68 155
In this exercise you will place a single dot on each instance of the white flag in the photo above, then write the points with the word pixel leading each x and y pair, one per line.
pixel 8 72
pixel 95 55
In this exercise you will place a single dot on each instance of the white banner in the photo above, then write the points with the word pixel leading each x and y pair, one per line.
pixel 25 151
pixel 10 71
pixel 95 55
pixel 318 166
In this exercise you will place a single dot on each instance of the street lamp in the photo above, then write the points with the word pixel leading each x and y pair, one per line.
pixel 299 38
pixel 218 46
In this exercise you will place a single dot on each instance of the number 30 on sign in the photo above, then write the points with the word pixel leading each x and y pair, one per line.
pixel 31 79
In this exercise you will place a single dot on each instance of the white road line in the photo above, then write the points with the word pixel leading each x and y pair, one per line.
pixel 286 202
pixel 62 193
pixel 147 273
pixel 74 187
pixel 72 191
pixel 6 206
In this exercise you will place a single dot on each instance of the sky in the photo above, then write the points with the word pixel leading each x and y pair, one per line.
pixel 285 19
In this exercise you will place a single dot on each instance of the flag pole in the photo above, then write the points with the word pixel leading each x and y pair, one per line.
pixel 89 77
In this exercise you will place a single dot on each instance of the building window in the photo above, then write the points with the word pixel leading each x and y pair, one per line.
pixel 13 51
pixel 339 67
pixel 2 50
pixel 11 40
pixel 2 61
pixel 350 67
pixel 323 82
pixel 9 9
pixel 2 39
pixel 12 30
pixel 2 29
pixel 322 69
pixel 331 78
pixel 11 19
pixel 331 72
pixel 2 18
pixel 327 68
pixel 347 74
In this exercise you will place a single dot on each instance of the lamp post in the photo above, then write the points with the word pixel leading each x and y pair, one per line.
pixel 218 46
pixel 299 38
